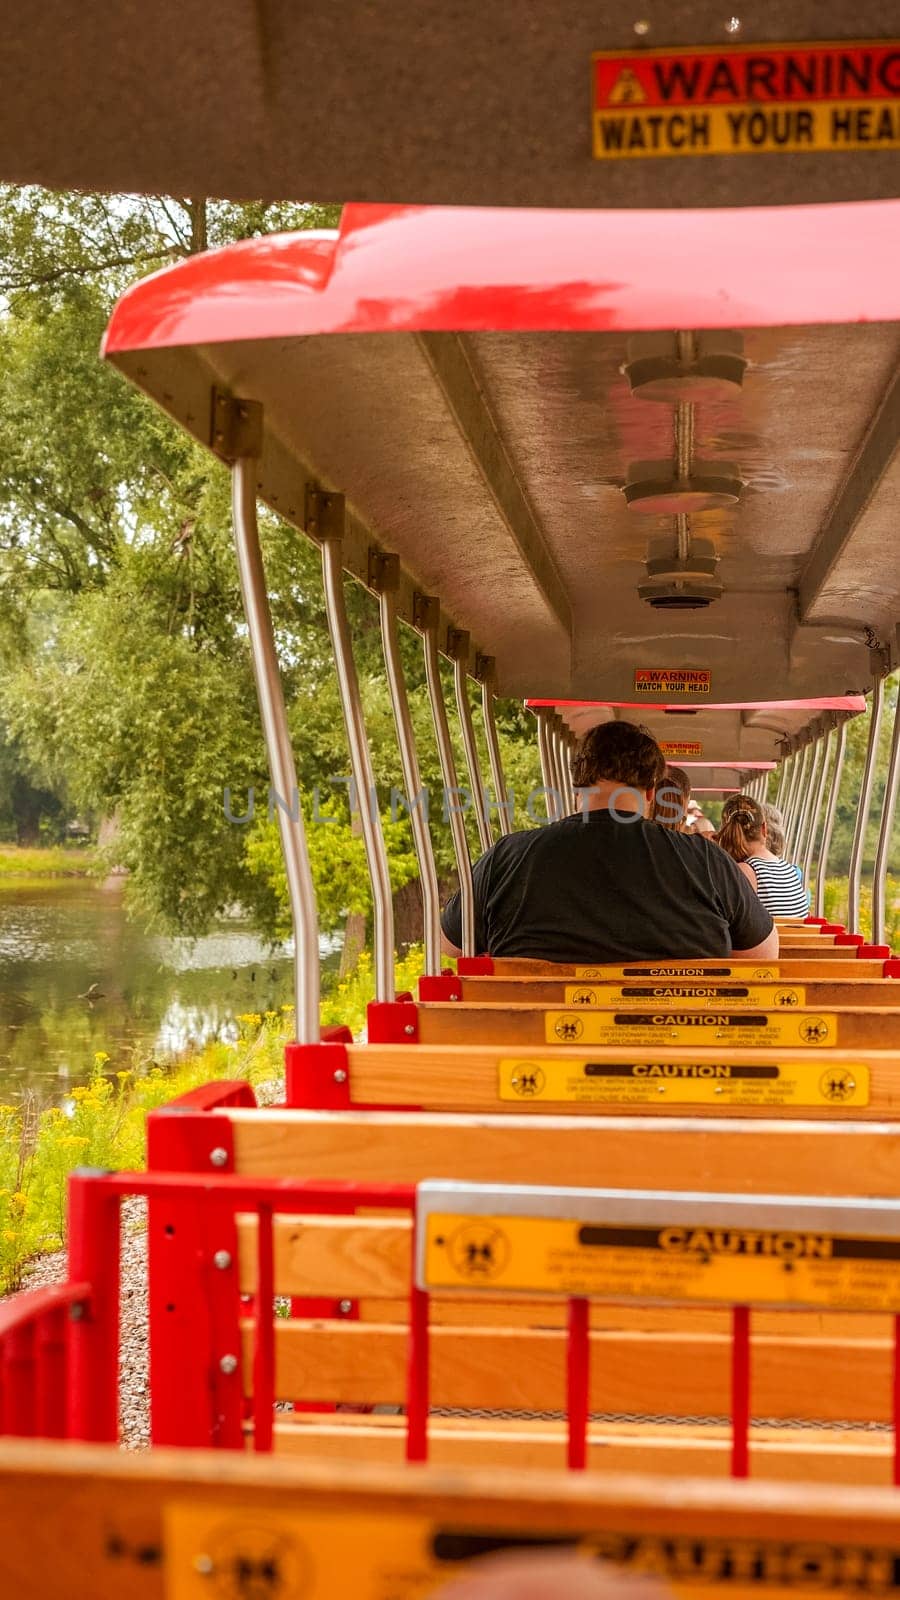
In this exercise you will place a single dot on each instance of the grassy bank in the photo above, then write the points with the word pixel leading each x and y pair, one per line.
pixel 56 861
pixel 102 1123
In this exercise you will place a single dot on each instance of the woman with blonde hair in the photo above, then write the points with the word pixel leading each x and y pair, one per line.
pixel 744 835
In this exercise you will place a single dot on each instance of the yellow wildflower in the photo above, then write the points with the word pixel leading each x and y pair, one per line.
pixel 100 1056
pixel 9 1237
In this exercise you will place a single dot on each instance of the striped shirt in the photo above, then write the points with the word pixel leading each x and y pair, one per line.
pixel 779 885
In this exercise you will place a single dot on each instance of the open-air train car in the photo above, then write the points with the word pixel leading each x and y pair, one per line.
pixel 623 462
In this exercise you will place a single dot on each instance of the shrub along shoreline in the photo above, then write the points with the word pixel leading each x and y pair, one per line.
pixel 103 1123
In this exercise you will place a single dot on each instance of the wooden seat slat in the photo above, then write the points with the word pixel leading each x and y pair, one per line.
pixel 818 992
pixel 799 1455
pixel 458 1023
pixel 764 1156
pixel 523 1369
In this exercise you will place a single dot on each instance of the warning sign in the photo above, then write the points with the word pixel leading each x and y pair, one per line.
pixel 763 996
pixel 747 100
pixel 556 1080
pixel 723 1265
pixel 765 974
pixel 672 680
pixel 681 747
pixel 674 1026
pixel 226 1552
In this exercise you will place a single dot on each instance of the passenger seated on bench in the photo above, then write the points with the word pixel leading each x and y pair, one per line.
pixel 608 884
pixel 744 834
pixel 672 800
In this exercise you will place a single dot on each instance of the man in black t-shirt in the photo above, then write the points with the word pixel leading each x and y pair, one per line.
pixel 607 884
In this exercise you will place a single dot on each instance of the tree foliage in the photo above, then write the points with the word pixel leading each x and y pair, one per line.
pixel 125 683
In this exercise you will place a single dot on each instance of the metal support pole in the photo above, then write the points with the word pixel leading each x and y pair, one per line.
pixel 561 762
pixel 805 864
pixel 409 763
pixel 790 783
pixel 797 799
pixel 458 650
pixel 806 805
pixel 331 518
pixel 428 612
pixel 783 769
pixel 854 877
pixel 793 798
pixel 493 743
pixel 885 831
pixel 279 752
pixel 830 814
pixel 553 798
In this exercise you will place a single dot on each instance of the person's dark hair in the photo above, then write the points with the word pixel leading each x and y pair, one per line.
pixel 741 827
pixel 619 752
pixel 670 802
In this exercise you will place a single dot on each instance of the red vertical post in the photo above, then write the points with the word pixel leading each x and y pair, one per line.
pixel 578 1382
pixel 895 1400
pixel 264 1333
pixel 418 1376
pixel 19 1416
pixel 50 1355
pixel 93 1391
pixel 740 1392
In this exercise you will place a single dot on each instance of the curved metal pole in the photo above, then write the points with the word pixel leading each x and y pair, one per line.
pixel 467 728
pixel 789 789
pixel 834 790
pixel 784 786
pixel 885 831
pixel 797 799
pixel 412 779
pixel 495 757
pixel 806 811
pixel 552 797
pixel 360 767
pixel 568 756
pixel 451 785
pixel 783 769
pixel 854 887
pixel 279 752
pixel 806 863
pixel 561 762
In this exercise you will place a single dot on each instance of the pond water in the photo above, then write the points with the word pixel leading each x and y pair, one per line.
pixel 153 996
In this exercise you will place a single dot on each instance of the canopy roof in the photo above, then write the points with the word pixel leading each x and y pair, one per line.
pixel 475 414
pixel 457 103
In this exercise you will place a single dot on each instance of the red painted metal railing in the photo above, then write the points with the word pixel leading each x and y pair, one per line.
pixel 59 1347
pixel 34 1360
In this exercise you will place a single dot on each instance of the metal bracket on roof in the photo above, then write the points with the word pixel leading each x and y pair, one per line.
pixel 236 427
pixel 383 571
pixel 324 514
pixel 485 668
pixel 458 644
pixel 426 611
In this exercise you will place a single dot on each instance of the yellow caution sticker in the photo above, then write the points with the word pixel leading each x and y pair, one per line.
pixel 557 1080
pixel 733 1265
pixel 747 99
pixel 664 991
pixel 671 1025
pixel 212 1553
pixel 672 680
pixel 768 973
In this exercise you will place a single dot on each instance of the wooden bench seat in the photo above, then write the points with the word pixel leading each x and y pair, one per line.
pixel 826 961
pixel 640 990
pixel 91 1523
pixel 663 1025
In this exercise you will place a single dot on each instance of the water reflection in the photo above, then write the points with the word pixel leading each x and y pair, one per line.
pixel 63 941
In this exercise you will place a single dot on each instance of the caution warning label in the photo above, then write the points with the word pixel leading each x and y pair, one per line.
pixel 747 100
pixel 642 995
pixel 712 970
pixel 555 1079
pixel 220 1552
pixel 681 747
pixel 725 1265
pixel 672 1025
pixel 672 680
